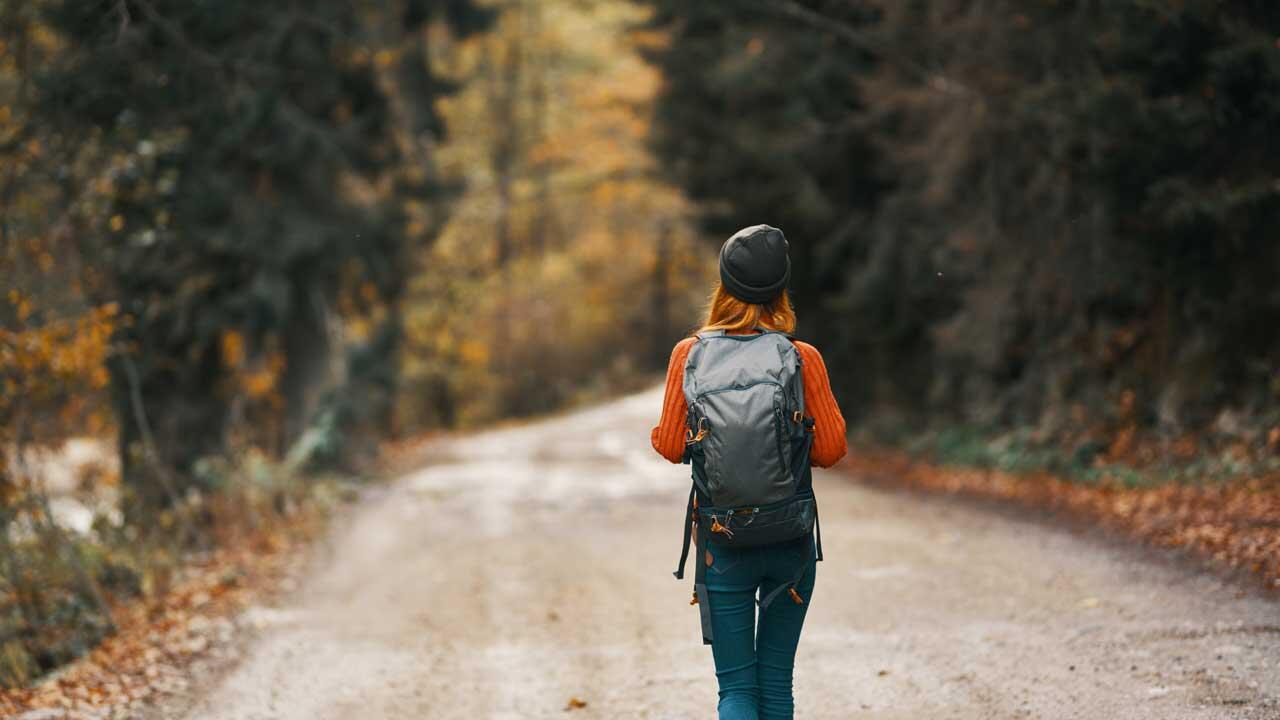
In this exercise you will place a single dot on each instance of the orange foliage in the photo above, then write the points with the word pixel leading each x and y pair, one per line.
pixel 49 369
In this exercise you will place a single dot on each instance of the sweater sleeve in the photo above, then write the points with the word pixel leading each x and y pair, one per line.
pixel 830 442
pixel 668 436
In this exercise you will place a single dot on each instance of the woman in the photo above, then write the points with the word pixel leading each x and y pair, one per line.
pixel 753 664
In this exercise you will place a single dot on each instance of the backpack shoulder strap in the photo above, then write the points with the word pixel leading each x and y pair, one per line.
pixel 709 334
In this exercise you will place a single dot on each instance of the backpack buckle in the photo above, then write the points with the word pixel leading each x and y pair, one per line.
pixel 796 417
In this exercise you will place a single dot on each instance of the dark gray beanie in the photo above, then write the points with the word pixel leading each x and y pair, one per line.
pixel 754 266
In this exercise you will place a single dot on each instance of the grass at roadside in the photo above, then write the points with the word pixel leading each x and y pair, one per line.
pixel 165 595
pixel 1125 457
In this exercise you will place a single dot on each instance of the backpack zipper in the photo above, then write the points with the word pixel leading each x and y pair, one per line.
pixel 748 386
pixel 778 423
pixel 768 507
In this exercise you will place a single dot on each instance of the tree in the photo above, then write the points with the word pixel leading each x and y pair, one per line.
pixel 759 122
pixel 546 285
pixel 234 169
pixel 1053 204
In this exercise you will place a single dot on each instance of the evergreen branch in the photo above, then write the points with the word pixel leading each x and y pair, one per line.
pixel 203 56
pixel 177 36
pixel 866 42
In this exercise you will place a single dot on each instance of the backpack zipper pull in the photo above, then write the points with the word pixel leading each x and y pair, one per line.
pixel 690 438
pixel 795 596
pixel 716 527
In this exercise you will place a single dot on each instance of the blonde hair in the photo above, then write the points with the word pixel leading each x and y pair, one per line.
pixel 728 313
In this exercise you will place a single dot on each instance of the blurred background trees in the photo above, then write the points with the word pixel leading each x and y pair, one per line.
pixel 569 266
pixel 242 173
pixel 199 200
pixel 1054 215
pixel 245 240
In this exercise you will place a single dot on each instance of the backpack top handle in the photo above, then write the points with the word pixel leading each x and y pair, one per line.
pixel 746 336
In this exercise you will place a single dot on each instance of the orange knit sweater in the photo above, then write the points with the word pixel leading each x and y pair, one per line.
pixel 829 442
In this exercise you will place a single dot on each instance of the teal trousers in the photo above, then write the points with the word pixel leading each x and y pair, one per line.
pixel 754 657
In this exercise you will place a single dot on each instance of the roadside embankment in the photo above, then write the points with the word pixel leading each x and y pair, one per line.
pixel 1231 524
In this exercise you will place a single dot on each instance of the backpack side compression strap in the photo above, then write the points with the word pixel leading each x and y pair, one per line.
pixel 688 533
pixel 700 586
pixel 699 569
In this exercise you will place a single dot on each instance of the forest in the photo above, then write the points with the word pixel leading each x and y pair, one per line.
pixel 248 247
pixel 1050 215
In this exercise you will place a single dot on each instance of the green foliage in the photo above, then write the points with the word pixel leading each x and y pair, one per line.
pixel 50 611
pixel 238 169
pixel 1048 205
pixel 1019 453
pixel 198 199
pixel 759 121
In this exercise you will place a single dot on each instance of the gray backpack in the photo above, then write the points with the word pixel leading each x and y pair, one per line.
pixel 747 440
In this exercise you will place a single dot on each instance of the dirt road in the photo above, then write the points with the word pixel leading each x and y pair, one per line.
pixel 528 566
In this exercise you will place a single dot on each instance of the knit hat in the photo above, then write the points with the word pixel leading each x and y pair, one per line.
pixel 754 266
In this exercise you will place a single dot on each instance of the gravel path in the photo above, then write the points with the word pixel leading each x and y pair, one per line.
pixel 530 566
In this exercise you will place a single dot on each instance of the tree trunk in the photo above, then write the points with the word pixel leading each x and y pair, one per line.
pixel 308 370
pixel 168 420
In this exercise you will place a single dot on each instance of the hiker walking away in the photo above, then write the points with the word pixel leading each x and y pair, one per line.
pixel 750 409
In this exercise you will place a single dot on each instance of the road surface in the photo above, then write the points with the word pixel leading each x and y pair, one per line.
pixel 526 567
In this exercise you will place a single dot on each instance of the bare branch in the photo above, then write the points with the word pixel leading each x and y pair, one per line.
pixel 149 442
pixel 122 9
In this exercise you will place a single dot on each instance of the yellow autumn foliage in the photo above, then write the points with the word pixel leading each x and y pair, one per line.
pixel 53 372
pixel 567 262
